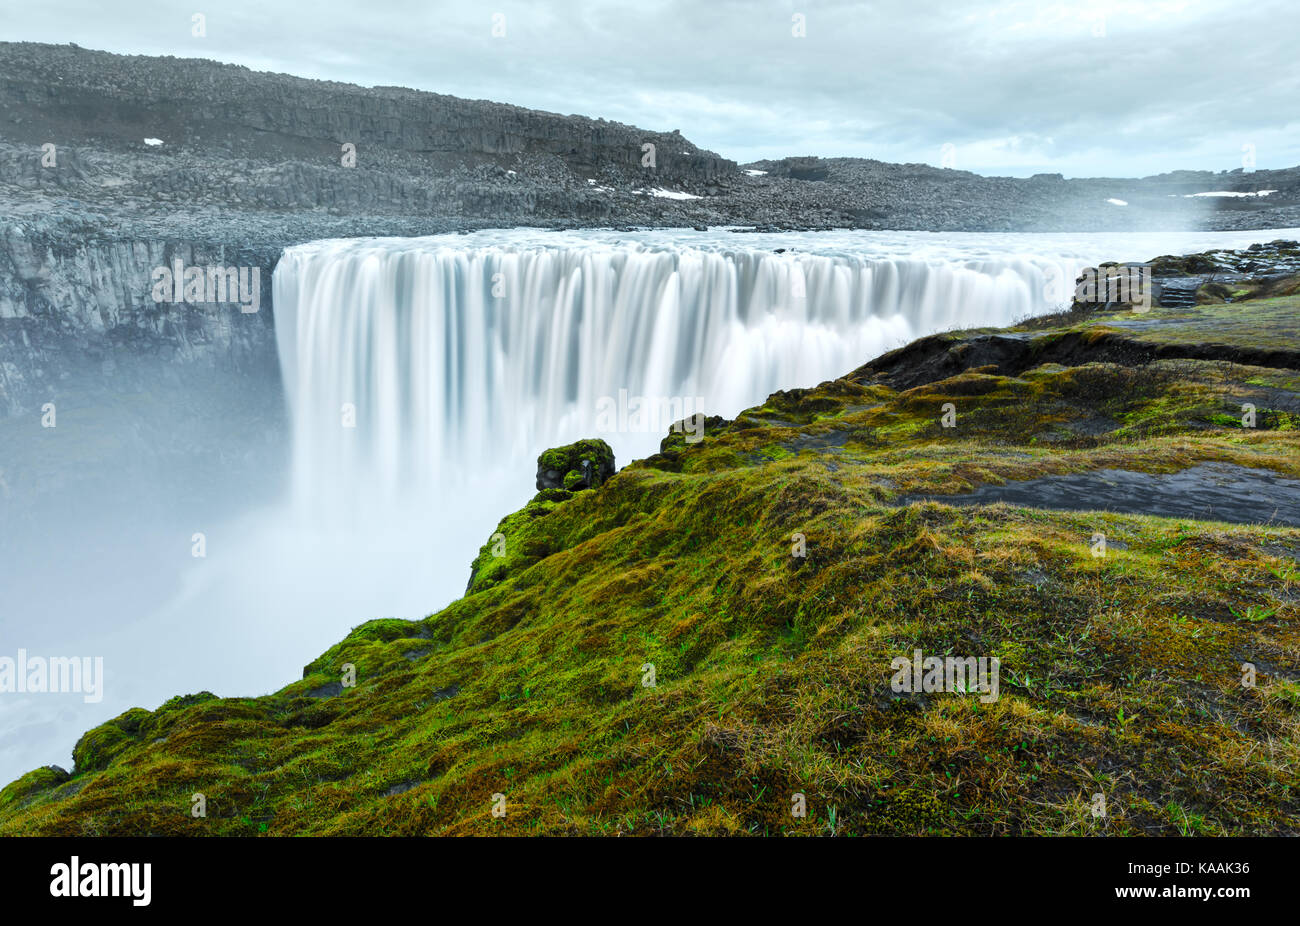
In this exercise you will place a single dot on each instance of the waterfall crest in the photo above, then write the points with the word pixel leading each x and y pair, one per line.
pixel 412 363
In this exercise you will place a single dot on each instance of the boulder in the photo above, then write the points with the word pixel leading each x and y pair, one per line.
pixel 34 782
pixel 581 465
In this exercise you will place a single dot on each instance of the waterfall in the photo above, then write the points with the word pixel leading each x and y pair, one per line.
pixel 412 365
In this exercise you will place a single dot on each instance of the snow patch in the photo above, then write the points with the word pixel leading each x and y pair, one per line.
pixel 661 193
pixel 1229 193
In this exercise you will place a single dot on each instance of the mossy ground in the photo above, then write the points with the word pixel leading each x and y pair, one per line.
pixel 1121 675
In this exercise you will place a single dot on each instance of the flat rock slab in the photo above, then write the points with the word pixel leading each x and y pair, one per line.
pixel 1205 492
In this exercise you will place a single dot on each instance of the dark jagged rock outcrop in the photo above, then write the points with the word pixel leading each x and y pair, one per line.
pixel 581 465
pixel 1204 280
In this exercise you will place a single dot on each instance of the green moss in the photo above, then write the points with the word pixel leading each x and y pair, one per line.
pixel 515 544
pixel 34 782
pixel 581 465
pixel 181 702
pixel 98 747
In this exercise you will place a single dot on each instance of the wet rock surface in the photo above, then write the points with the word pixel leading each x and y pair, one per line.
pixel 581 465
pixel 1205 492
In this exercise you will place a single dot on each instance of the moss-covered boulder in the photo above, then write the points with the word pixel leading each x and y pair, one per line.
pixel 581 465
pixel 34 782
pixel 691 431
pixel 561 472
pixel 100 746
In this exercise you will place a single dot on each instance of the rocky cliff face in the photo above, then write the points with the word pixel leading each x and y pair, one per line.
pixel 70 313
pixel 225 134
pixel 64 92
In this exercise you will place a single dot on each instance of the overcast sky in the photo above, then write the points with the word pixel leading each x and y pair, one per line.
pixel 1104 88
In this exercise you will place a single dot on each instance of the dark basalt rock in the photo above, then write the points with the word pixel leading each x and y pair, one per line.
pixel 691 431
pixel 585 464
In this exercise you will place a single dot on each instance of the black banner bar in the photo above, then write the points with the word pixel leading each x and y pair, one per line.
pixel 333 875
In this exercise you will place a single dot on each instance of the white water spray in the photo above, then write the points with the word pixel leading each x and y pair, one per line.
pixel 414 364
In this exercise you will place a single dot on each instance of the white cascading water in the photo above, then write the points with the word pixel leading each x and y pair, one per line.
pixel 414 365
pixel 460 358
